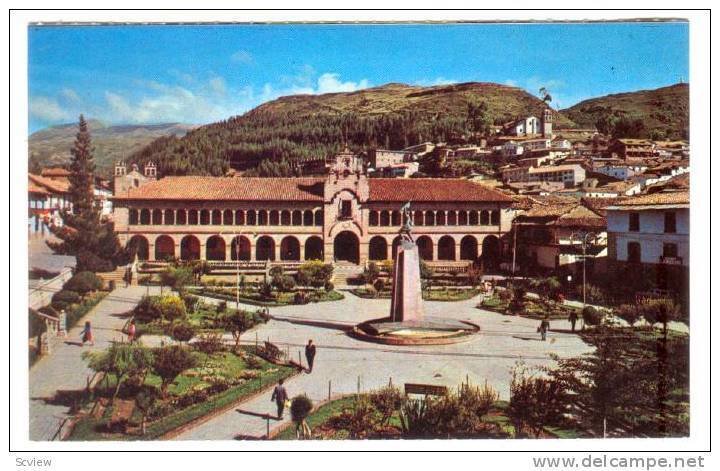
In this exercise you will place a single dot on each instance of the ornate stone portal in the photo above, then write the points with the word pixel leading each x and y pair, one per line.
pixel 407 324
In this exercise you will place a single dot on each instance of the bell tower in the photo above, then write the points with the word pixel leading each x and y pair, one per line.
pixel 547 121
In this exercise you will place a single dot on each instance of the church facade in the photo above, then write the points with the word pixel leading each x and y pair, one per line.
pixel 343 217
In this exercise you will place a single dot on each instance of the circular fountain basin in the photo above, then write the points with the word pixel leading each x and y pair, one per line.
pixel 428 331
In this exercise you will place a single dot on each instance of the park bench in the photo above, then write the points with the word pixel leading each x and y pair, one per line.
pixel 425 389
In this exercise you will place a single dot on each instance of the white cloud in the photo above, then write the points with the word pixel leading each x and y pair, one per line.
pixel 217 85
pixel 69 95
pixel 331 83
pixel 243 57
pixel 47 110
pixel 436 81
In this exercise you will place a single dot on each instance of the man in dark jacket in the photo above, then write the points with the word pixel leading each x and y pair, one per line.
pixel 279 395
pixel 310 351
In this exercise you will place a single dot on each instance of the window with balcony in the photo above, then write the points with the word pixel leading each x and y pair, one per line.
pixel 670 250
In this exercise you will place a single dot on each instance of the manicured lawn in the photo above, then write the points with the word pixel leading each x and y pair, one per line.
pixel 319 416
pixel 534 308
pixel 253 297
pixel 224 365
pixel 446 294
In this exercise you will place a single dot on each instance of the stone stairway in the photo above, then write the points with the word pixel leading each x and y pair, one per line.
pixel 117 276
pixel 344 271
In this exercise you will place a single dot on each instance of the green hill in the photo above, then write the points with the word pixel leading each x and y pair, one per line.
pixel 51 146
pixel 310 127
pixel 661 113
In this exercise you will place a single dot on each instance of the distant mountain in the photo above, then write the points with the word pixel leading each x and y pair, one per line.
pixel 301 128
pixel 660 113
pixel 51 146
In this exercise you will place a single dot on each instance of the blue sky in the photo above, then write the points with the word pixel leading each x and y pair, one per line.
pixel 201 74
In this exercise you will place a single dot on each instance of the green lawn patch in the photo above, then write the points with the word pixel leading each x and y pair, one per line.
pixel 223 365
pixel 254 298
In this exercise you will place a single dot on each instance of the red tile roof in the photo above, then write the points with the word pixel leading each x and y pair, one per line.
pixel 228 189
pixel 670 198
pixel 55 172
pixel 54 186
pixel 433 189
pixel 309 189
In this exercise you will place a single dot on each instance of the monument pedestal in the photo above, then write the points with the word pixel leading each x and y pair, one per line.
pixel 407 288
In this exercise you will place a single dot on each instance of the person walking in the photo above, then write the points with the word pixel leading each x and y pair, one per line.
pixel 86 335
pixel 573 317
pixel 280 396
pixel 310 351
pixel 544 327
pixel 131 331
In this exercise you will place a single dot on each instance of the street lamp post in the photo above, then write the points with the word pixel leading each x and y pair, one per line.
pixel 585 239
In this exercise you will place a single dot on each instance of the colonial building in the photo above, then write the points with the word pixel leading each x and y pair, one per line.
pixel 345 216
pixel 648 237
pixel 47 197
pixel 549 238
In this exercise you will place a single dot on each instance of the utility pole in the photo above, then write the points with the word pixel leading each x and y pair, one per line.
pixel 237 270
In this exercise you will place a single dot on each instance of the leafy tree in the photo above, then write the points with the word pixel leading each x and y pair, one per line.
pixel 121 360
pixel 235 322
pixel 478 119
pixel 169 362
pixel 300 408
pixel 177 277
pixel 83 282
pixel 83 234
pixel 535 402
pixel 387 401
pixel 145 399
pixel 545 95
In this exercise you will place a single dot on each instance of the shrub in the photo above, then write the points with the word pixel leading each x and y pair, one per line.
pixel 591 316
pixel 88 261
pixel 177 278
pixel 359 420
pixel 287 283
pixel 209 343
pixel 265 291
pixel 329 285
pixel 190 301
pixel 379 285
pixel 300 298
pixel 535 402
pixel 517 301
pixel 371 273
pixel 64 298
pixel 300 408
pixel 148 309
pixel 317 272
pixel 182 332
pixel 172 308
pixel 83 282
pixel 221 307
pixel 387 400
pixel 630 313
pixel 41 274
pixel 474 275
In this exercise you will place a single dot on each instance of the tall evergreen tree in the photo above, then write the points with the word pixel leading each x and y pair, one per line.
pixel 83 233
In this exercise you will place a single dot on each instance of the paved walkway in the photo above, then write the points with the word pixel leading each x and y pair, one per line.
pixel 345 361
pixel 65 370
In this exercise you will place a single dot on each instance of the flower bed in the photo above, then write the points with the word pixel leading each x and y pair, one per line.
pixel 220 380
